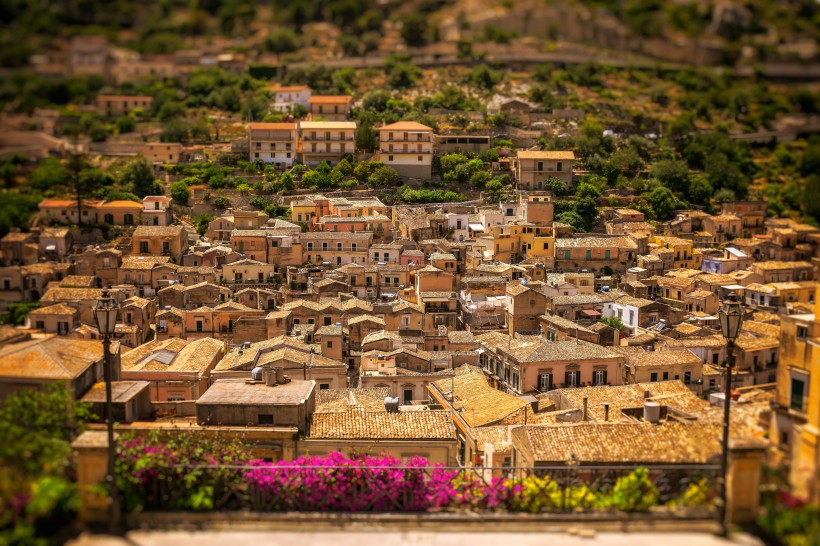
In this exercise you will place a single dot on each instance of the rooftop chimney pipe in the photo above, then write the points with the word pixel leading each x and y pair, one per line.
pixel 280 375
pixel 606 411
pixel 586 402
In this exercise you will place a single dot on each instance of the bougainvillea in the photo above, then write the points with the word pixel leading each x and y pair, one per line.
pixel 196 472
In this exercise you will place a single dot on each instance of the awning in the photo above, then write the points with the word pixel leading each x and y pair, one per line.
pixel 591 313
pixel 476 227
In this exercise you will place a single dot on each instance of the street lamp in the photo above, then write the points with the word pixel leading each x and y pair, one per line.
pixel 105 312
pixel 731 319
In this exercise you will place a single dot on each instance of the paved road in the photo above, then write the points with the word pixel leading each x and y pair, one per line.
pixel 408 538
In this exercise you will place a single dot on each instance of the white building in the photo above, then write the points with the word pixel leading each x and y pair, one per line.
pixel 286 97
pixel 407 146
pixel 274 143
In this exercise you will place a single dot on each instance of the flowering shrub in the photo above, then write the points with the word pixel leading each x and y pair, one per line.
pixel 197 473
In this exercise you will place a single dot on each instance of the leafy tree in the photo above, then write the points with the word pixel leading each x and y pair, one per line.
pixel 495 191
pixel 222 202
pixel 725 195
pixel 201 223
pixel 402 75
pixel 286 182
pixel 613 322
pixel 16 208
pixel 126 124
pixel 383 176
pixel 50 172
pixel 176 130
pixel 171 109
pixel 484 77
pixel 586 190
pixel 664 203
pixel 811 201
pixel 17 314
pixel 414 29
pixel 723 173
pixel 344 167
pixel 138 177
pixel 573 219
pixel 180 192
pixel 700 190
pixel 672 173
pixel 366 138
pixel 282 40
pixel 557 186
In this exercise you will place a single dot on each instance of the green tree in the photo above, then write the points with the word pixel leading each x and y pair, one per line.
pixel 126 124
pixel 282 40
pixel 180 192
pixel 573 219
pixel 366 138
pixel 50 172
pixel 402 75
pixel 201 222
pixel 700 190
pixel 286 182
pixel 384 176
pixel 138 177
pixel 586 190
pixel 495 191
pixel 414 29
pixel 222 202
pixel 672 173
pixel 664 202
pixel 484 77
pixel 721 172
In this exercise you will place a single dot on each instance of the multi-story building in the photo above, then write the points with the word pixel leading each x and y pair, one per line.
pixel 797 407
pixel 159 153
pixel 121 105
pixel 326 141
pixel 752 215
pixel 532 168
pixel 274 143
pixel 286 97
pixel 160 241
pixel 595 253
pixel 337 248
pixel 330 107
pixel 407 146
pixel 529 364
pixel 156 210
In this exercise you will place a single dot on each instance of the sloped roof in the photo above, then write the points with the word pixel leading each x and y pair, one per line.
pixel 55 358
pixel 360 425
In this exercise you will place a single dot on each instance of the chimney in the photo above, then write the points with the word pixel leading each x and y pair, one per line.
pixel 586 403
pixel 269 377
pixel 606 411
pixel 279 375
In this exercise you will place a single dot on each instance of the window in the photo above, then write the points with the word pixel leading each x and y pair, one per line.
pixel 515 380
pixel 327 322
pixel 40 325
pixel 666 376
pixel 572 378
pixel 599 377
pixel 143 247
pixel 265 418
pixel 653 376
pixel 390 158
pixel 407 395
pixel 546 246
pixel 559 166
pixel 544 381
pixel 798 391
pixel 606 254
pixel 589 255
pixel 324 386
pixel 802 332
pixel 687 378
pixel 540 166
pixel 567 254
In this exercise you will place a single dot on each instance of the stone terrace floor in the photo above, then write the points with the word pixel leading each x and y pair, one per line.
pixel 572 536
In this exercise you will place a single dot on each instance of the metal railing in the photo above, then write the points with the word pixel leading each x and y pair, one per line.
pixel 676 491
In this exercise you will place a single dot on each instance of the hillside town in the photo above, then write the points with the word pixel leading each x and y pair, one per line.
pixel 450 271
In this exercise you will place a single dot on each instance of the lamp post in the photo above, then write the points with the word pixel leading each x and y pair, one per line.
pixel 731 319
pixel 105 312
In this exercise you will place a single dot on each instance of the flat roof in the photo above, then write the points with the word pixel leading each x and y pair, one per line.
pixel 237 392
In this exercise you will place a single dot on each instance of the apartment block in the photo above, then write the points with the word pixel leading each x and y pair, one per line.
pixel 274 143
pixel 407 146
pixel 533 168
pixel 326 141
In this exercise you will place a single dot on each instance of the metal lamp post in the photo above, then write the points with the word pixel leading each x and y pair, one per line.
pixel 105 312
pixel 731 319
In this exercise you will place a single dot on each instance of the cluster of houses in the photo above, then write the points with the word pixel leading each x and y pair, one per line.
pixel 496 329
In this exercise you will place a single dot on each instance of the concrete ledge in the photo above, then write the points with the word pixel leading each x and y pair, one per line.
pixel 468 521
